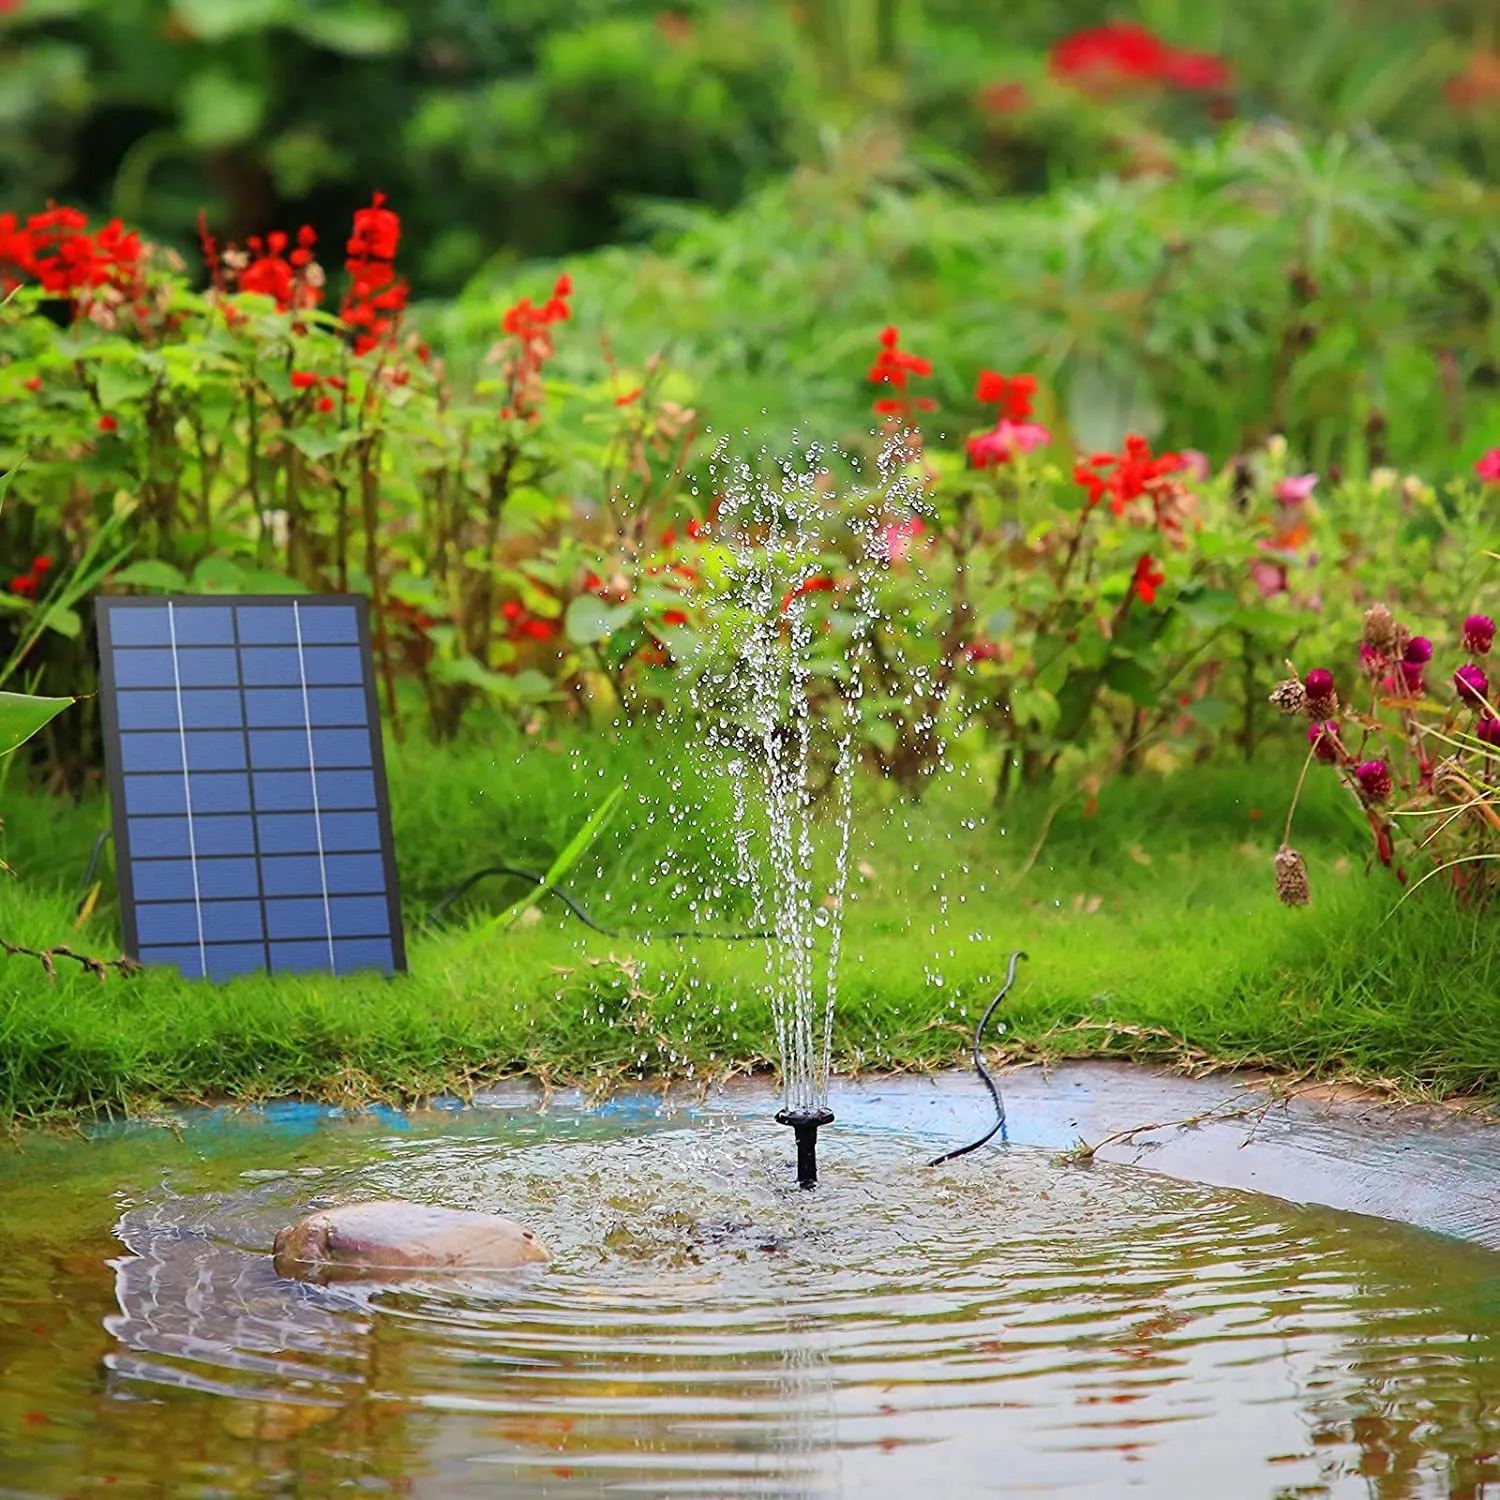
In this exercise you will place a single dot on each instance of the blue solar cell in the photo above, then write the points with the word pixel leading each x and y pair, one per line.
pixel 152 838
pixel 185 879
pixel 151 752
pixel 215 836
pixel 352 955
pixel 145 625
pixel 299 958
pixel 296 918
pixel 216 792
pixel 230 960
pixel 332 666
pixel 283 749
pixel 277 830
pixel 207 625
pixel 332 625
pixel 288 833
pixel 341 791
pixel 206 666
pixel 155 794
pixel 267 625
pixel 356 874
pixel 272 666
pixel 283 791
pixel 345 832
pixel 145 667
pixel 226 879
pixel 341 747
pixel 359 916
pixel 216 750
pixel 299 874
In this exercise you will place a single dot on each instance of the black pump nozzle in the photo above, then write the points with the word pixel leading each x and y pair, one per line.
pixel 805 1128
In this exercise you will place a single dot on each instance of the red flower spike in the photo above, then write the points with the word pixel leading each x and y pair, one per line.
pixel 325 404
pixel 108 424
pixel 303 380
pixel 1147 579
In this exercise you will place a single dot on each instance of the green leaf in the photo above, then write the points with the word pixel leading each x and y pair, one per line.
pixel 1211 713
pixel 64 621
pixel 118 384
pixel 589 619
pixel 1126 675
pixel 1034 705
pixel 577 847
pixel 356 32
pixel 216 20
pixel 22 715
pixel 219 109
pixel 315 444
pixel 152 573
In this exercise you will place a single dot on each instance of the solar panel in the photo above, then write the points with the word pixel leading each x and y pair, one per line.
pixel 251 816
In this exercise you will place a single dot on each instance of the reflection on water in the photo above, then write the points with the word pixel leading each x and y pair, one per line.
pixel 1003 1326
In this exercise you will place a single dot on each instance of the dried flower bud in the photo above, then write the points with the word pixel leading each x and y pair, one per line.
pixel 1380 630
pixel 1291 878
pixel 1290 697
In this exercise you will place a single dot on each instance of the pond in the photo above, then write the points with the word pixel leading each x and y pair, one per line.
pixel 1008 1324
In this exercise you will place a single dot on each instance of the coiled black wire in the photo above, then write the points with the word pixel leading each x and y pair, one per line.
pixel 984 1072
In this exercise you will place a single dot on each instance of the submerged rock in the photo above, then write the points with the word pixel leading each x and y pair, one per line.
pixel 369 1239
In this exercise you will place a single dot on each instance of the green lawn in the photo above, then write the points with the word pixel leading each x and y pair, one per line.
pixel 1152 927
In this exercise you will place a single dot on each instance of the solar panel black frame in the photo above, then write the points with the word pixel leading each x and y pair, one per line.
pixel 107 609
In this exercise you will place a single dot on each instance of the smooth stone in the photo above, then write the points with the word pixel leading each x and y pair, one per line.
pixel 369 1239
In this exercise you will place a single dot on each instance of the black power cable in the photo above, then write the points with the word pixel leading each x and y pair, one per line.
pixel 984 1073
pixel 577 910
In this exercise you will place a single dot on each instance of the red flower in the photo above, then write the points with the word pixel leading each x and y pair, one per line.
pixel 819 585
pixel 674 617
pixel 108 424
pixel 1148 578
pixel 895 367
pixel 696 530
pixel 991 449
pixel 24 586
pixel 1478 86
pixel 539 630
pixel 1135 473
pixel 630 397
pixel 41 565
pixel 377 296
pixel 531 327
pixel 56 250
pixel 302 380
pixel 325 404
pixel 35 383
pixel 1011 393
pixel 1004 98
pixel 1104 58
pixel 511 609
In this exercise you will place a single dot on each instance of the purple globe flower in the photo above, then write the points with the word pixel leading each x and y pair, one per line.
pixel 1487 730
pixel 1418 650
pixel 1374 778
pixel 1411 673
pixel 1470 683
pixel 1324 739
pixel 1372 661
pixel 1479 634
pixel 1322 701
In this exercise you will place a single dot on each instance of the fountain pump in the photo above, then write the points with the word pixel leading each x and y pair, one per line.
pixel 805 1128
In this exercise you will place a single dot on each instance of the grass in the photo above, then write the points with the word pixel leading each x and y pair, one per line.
pixel 1151 924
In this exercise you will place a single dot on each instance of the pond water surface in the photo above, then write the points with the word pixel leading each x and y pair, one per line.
pixel 1005 1325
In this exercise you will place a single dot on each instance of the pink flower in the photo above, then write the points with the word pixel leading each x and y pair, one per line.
pixel 1374 779
pixel 1296 490
pixel 1324 739
pixel 999 446
pixel 1471 684
pixel 1269 578
pixel 1195 464
pixel 1487 730
pixel 1488 467
pixel 1479 631
pixel 899 537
